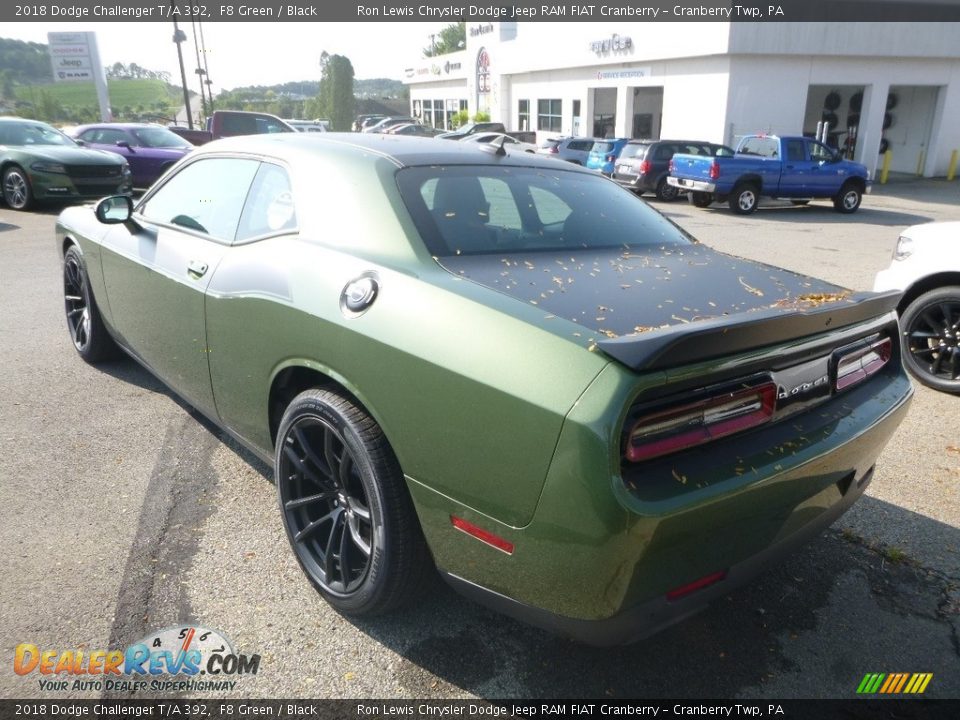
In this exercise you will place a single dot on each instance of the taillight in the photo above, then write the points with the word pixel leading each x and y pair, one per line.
pixel 667 431
pixel 554 149
pixel 611 157
pixel 856 364
pixel 714 170
pixel 645 167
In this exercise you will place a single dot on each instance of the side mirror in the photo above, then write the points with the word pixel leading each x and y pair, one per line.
pixel 114 210
pixel 124 144
pixel 81 143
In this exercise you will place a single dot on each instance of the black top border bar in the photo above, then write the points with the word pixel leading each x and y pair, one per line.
pixel 480 11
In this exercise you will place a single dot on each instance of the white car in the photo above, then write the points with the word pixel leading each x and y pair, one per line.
pixel 509 143
pixel 926 267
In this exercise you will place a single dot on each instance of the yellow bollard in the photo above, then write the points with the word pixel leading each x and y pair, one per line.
pixel 920 163
pixel 885 168
pixel 952 169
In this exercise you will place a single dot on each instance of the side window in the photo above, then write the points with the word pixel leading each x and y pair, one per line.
pixel 269 207
pixel 820 152
pixel 663 153
pixel 795 151
pixel 107 136
pixel 269 125
pixel 206 196
pixel 551 210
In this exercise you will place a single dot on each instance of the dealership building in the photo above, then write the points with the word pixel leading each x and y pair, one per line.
pixel 879 85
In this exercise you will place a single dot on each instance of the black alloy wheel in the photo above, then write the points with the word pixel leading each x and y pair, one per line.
pixel 345 506
pixel 87 331
pixel 931 339
pixel 701 199
pixel 665 191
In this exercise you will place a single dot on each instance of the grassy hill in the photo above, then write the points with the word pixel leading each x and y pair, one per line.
pixel 122 93
pixel 131 99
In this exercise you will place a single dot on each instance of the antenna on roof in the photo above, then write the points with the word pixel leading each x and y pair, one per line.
pixel 495 147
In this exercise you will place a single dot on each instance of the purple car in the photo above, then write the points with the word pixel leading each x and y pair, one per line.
pixel 149 149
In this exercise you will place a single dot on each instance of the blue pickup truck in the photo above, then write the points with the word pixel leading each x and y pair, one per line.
pixel 799 169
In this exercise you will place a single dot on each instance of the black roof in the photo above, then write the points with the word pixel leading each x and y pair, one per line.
pixel 402 150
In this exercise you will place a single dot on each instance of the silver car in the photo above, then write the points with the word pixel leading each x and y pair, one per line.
pixel 571 149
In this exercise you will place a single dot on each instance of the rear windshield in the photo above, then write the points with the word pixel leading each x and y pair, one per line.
pixel 551 143
pixel 601 147
pixel 487 209
pixel 633 150
pixel 762 146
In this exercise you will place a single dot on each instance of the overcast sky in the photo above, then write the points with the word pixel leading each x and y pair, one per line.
pixel 251 53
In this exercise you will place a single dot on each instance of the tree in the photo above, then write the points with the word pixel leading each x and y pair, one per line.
pixel 451 39
pixel 335 99
pixel 7 89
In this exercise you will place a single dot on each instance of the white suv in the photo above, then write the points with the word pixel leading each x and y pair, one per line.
pixel 926 267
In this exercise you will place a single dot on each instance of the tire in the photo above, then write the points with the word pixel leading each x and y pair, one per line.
pixel 743 200
pixel 799 203
pixel 848 199
pixel 342 495
pixel 701 199
pixel 16 189
pixel 665 191
pixel 931 339
pixel 89 335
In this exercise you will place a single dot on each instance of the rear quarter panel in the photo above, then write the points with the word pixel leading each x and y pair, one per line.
pixel 470 386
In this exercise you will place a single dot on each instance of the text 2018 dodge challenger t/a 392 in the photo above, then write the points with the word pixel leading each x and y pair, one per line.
pixel 497 365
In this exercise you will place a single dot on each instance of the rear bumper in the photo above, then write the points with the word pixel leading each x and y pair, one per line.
pixel 600 570
pixel 654 615
pixel 695 185
pixel 637 183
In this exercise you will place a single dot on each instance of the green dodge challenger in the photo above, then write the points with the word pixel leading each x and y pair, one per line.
pixel 498 366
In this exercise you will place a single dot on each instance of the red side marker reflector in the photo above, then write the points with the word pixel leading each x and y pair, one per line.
pixel 703 582
pixel 480 534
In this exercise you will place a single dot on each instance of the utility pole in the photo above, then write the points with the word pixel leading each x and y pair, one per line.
pixel 178 37
pixel 206 68
pixel 199 71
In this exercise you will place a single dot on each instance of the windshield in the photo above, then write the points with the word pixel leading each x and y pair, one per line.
pixel 486 209
pixel 32 133
pixel 158 137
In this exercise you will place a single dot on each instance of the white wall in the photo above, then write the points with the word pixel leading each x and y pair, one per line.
pixel 769 94
pixel 695 99
pixel 864 39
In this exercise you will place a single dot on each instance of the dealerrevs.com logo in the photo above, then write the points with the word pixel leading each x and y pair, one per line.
pixel 177 659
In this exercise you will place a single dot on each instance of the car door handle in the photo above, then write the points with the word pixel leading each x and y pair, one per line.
pixel 197 269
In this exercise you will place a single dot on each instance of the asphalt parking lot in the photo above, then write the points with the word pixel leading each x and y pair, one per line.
pixel 122 513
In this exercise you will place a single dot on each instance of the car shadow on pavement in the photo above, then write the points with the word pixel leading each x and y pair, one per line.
pixel 130 371
pixel 824 214
pixel 7 226
pixel 809 627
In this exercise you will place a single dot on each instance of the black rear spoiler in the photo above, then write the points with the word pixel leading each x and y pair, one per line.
pixel 718 337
